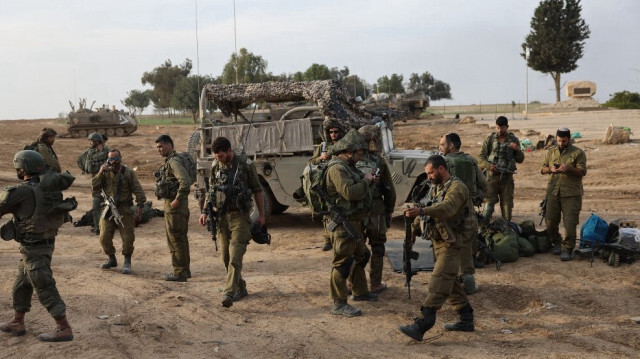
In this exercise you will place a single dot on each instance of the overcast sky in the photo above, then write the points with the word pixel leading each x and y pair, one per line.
pixel 53 51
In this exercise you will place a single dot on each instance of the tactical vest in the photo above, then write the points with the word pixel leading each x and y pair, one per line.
pixel 444 230
pixel 42 224
pixel 166 187
pixel 461 165
pixel 501 154
pixel 369 164
pixel 354 210
pixel 91 160
pixel 224 181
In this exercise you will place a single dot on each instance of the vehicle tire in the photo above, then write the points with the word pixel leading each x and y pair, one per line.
pixel 74 134
pixel 83 133
pixel 193 144
pixel 267 203
pixel 110 132
pixel 120 132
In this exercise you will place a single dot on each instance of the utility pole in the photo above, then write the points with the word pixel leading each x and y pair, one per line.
pixel 526 64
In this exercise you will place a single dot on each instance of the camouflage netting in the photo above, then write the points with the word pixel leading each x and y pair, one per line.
pixel 331 98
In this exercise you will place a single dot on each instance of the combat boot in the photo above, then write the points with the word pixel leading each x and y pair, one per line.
pixel 465 323
pixel 62 333
pixel 420 325
pixel 556 249
pixel 340 307
pixel 110 263
pixel 15 326
pixel 565 256
pixel 240 293
pixel 126 267
pixel 368 296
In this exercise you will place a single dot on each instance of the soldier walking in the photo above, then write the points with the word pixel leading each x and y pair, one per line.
pixel 445 228
pixel 233 182
pixel 90 161
pixel 120 183
pixel 36 229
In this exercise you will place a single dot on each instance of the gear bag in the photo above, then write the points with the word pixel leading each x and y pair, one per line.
pixel 190 164
pixel 311 176
pixel 593 231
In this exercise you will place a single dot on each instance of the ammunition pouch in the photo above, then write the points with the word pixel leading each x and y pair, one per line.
pixel 167 189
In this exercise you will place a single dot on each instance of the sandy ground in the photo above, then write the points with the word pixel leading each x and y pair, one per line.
pixel 537 307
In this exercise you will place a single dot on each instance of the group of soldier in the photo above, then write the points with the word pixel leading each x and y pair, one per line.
pixel 358 182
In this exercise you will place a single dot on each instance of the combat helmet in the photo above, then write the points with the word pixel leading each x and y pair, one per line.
pixel 329 123
pixel 372 133
pixel 96 137
pixel 31 161
pixel 351 142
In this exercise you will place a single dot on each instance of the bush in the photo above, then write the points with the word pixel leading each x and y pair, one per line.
pixel 624 100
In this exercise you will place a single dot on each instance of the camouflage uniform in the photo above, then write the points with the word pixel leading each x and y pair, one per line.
pixel 234 227
pixel 500 186
pixel 89 162
pixel 123 196
pixel 50 157
pixel 177 220
pixel 565 197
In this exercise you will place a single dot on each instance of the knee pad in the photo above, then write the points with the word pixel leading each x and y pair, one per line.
pixel 345 268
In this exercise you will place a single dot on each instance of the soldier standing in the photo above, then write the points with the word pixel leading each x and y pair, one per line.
pixel 444 221
pixel 333 132
pixel 173 183
pixel 120 183
pixel 233 181
pixel 383 195
pixel 348 191
pixel 566 165
pixel 36 230
pixel 465 167
pixel 90 161
pixel 499 154
pixel 45 148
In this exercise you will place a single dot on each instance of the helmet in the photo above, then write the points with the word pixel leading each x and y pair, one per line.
pixel 96 137
pixel 332 122
pixel 372 133
pixel 351 142
pixel 259 234
pixel 31 161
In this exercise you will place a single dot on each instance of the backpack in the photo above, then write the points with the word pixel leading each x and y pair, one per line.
pixel 190 164
pixel 32 147
pixel 593 231
pixel 314 175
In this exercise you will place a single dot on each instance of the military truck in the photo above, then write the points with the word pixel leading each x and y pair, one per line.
pixel 110 122
pixel 281 147
pixel 400 106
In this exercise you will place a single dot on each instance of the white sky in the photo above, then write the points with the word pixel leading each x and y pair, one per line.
pixel 53 51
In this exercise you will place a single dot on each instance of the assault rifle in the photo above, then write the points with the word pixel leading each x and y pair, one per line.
pixel 337 217
pixel 408 254
pixel 543 209
pixel 112 207
pixel 212 222
pixel 502 169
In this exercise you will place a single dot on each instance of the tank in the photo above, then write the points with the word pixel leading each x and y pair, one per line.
pixel 110 122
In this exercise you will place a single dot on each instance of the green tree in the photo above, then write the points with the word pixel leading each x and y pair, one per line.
pixel 251 68
pixel 164 79
pixel 340 75
pixel 186 94
pixel 356 86
pixel 391 85
pixel 624 100
pixel 426 83
pixel 137 101
pixel 317 72
pixel 556 40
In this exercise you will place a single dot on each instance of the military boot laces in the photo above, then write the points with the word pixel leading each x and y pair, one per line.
pixel 464 323
pixel 110 263
pixel 126 267
pixel 342 308
pixel 420 325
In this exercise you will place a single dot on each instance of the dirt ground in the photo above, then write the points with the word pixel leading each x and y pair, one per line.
pixel 537 307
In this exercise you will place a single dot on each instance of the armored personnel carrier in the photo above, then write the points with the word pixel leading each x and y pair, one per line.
pixel 281 147
pixel 110 122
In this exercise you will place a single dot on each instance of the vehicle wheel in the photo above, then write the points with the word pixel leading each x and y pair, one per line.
pixel 101 131
pixel 193 144
pixel 110 132
pixel 120 132
pixel 83 133
pixel 267 203
pixel 73 134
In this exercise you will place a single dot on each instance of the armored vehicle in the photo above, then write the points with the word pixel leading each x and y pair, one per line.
pixel 400 106
pixel 281 147
pixel 110 122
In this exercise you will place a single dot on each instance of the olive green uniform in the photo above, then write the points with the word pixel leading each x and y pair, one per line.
pixel 121 186
pixel 50 157
pixel 36 232
pixel 348 191
pixel 477 186
pixel 383 195
pixel 234 226
pixel 564 195
pixel 316 159
pixel 445 229
pixel 500 186
pixel 176 220
pixel 90 162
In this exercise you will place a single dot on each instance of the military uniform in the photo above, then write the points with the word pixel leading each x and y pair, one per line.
pixel 90 162
pixel 50 157
pixel 121 186
pixel 564 195
pixel 175 181
pixel 500 186
pixel 383 195
pixel 465 167
pixel 234 226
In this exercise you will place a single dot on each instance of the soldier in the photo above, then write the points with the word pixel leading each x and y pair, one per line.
pixel 333 132
pixel 444 226
pixel 90 161
pixel 120 183
pixel 566 165
pixel 383 195
pixel 233 180
pixel 465 167
pixel 173 184
pixel 499 155
pixel 348 190
pixel 35 228
pixel 45 148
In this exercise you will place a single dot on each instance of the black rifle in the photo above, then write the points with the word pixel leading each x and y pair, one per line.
pixel 502 169
pixel 212 222
pixel 543 209
pixel 408 254
pixel 112 207
pixel 337 217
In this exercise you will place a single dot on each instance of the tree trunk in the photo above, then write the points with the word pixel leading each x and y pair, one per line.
pixel 556 80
